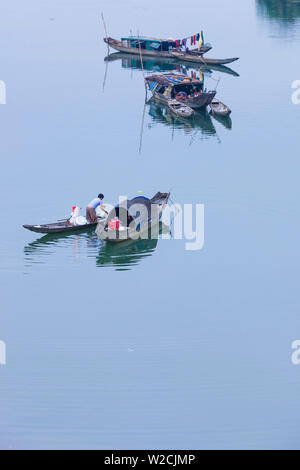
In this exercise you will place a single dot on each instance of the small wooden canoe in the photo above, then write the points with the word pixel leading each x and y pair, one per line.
pixel 219 108
pixel 202 60
pixel 59 227
pixel 80 223
pixel 180 109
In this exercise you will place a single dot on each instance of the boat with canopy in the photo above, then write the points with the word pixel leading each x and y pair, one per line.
pixel 132 219
pixel 188 90
pixel 159 47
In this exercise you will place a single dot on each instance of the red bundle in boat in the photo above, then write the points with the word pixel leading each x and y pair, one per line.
pixel 114 224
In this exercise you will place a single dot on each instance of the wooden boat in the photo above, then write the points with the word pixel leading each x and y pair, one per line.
pixel 180 109
pixel 133 218
pixel 149 46
pixel 189 91
pixel 182 56
pixel 59 227
pixel 67 226
pixel 219 108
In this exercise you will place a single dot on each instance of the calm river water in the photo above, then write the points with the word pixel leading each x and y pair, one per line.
pixel 149 345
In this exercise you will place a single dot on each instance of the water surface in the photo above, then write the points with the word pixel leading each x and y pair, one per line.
pixel 149 345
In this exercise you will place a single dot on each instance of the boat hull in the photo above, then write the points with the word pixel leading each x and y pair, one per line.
pixel 59 228
pixel 202 60
pixel 204 99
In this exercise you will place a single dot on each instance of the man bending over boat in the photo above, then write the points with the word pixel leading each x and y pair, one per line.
pixel 91 215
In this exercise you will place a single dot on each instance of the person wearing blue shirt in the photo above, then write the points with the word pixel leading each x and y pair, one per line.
pixel 91 215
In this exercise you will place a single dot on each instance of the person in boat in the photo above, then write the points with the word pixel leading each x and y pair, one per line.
pixel 181 96
pixel 194 92
pixel 91 215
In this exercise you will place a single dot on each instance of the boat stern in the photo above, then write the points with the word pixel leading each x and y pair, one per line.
pixel 202 99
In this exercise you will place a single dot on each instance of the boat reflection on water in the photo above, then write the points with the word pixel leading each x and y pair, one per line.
pixel 160 113
pixel 126 254
pixel 224 120
pixel 121 256
pixel 200 123
pixel 161 64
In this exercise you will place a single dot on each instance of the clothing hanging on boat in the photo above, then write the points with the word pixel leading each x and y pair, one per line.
pixel 201 40
pixel 193 40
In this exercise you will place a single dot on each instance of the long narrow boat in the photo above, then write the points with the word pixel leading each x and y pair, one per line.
pixel 186 57
pixel 66 226
pixel 63 226
pixel 149 46
pixel 132 219
pixel 59 227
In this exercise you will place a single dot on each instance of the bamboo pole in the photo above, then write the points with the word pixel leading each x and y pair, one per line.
pixel 105 32
pixel 142 65
pixel 142 129
pixel 105 75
